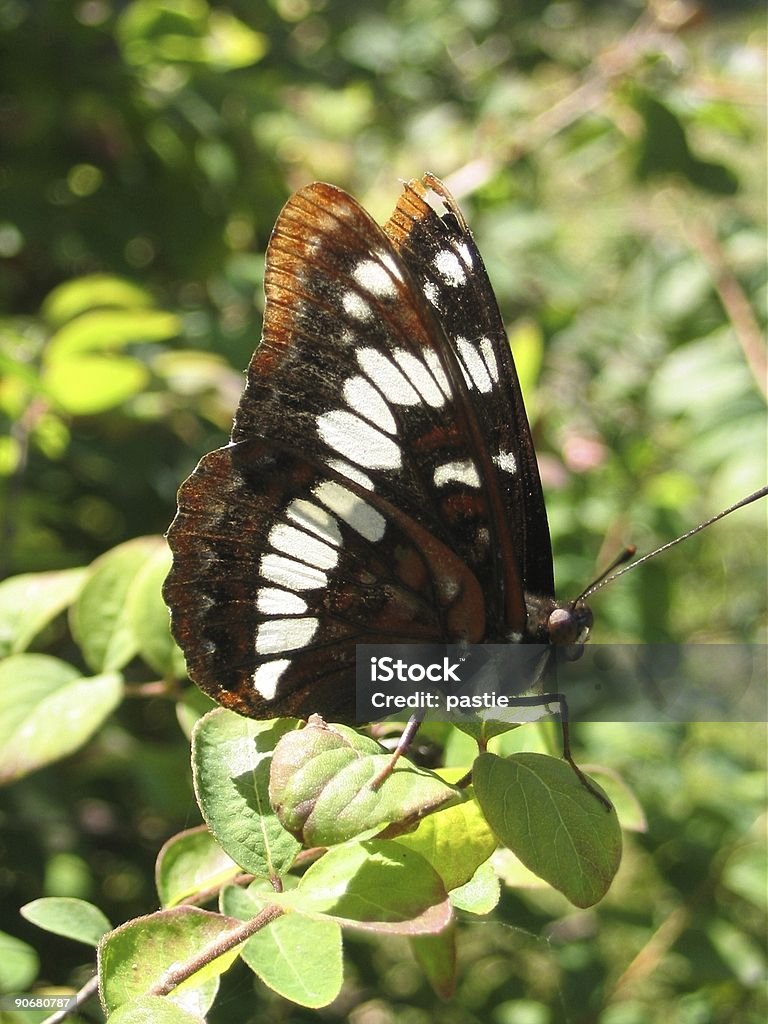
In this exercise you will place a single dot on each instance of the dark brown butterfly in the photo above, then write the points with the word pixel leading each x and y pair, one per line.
pixel 381 483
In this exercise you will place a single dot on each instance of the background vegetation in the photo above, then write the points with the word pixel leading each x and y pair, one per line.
pixel 610 159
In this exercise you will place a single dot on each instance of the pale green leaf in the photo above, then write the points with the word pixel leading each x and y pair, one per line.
pixel 48 710
pixel 30 602
pixel 72 918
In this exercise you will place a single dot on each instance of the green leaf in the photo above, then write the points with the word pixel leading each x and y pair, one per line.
pixel 320 785
pixel 108 330
pixel 231 757
pixel 135 957
pixel 455 841
pixel 483 730
pixel 437 956
pixel 299 957
pixel 189 863
pixel 538 808
pixel 30 602
pixel 480 894
pixel 665 149
pixel 102 619
pixel 148 615
pixel 48 710
pixel 72 918
pixel 95 290
pixel 189 33
pixel 376 886
pixel 87 385
pixel 19 964
pixel 153 1010
pixel 746 870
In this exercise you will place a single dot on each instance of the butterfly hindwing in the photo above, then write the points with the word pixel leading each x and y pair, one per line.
pixel 281 567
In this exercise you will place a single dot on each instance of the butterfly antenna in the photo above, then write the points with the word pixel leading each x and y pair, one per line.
pixel 609 575
pixel 623 556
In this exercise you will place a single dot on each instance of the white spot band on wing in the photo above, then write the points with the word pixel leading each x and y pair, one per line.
pixel 447 265
pixel 506 462
pixel 351 473
pixel 357 513
pixel 358 441
pixel 490 358
pixel 375 278
pixel 293 575
pixel 363 397
pixel 356 306
pixel 432 294
pixel 387 377
pixel 271 601
pixel 311 517
pixel 420 376
pixel 474 366
pixel 278 635
pixel 267 676
pixel 303 546
pixel 457 472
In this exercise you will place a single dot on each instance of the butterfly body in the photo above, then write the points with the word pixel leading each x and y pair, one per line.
pixel 381 483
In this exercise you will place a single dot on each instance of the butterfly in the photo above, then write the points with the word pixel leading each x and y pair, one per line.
pixel 381 483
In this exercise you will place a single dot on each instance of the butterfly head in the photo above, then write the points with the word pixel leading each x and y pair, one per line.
pixel 569 627
pixel 566 625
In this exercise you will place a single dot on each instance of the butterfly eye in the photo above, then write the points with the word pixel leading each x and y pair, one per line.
pixel 570 626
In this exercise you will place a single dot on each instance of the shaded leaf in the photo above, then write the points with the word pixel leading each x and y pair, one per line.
pixel 107 330
pixel 437 956
pixel 191 862
pixel 72 298
pixel 376 886
pixel 135 956
pixel 87 385
pixel 320 785
pixel 299 957
pixel 148 616
pixel 19 964
pixel 455 841
pixel 480 894
pixel 539 809
pixel 153 1010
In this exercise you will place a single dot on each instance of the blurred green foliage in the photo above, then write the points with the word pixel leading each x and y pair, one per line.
pixel 610 160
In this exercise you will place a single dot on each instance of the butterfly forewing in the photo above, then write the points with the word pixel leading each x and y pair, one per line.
pixel 355 368
pixel 433 239
pixel 367 495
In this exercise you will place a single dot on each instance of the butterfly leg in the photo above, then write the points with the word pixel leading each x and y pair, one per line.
pixel 406 738
pixel 542 700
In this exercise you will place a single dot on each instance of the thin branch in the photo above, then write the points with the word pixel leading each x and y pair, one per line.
pixel 87 992
pixel 735 303
pixel 615 62
pixel 218 947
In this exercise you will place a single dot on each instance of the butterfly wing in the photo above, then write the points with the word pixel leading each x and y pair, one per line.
pixel 433 239
pixel 358 501
pixel 281 566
